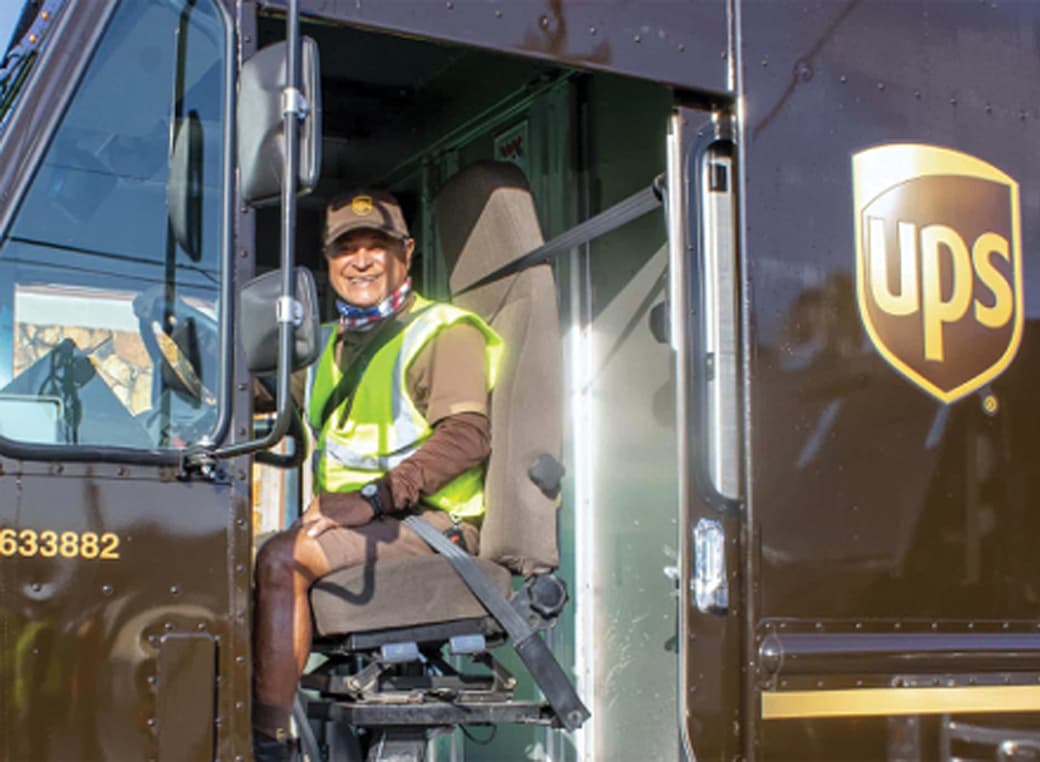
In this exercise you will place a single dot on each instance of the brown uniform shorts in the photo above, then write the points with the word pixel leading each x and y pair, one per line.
pixel 387 538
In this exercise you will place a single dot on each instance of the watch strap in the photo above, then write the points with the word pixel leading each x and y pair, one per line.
pixel 375 499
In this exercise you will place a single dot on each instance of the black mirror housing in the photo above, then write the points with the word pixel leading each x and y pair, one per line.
pixel 258 322
pixel 261 143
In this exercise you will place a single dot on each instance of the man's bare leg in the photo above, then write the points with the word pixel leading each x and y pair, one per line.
pixel 286 567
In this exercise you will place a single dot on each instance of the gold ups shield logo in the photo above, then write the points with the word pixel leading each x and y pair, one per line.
pixel 938 264
pixel 361 205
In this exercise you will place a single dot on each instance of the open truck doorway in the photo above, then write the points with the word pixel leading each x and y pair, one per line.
pixel 408 115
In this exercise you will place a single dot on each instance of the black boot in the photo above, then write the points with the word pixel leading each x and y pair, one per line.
pixel 267 749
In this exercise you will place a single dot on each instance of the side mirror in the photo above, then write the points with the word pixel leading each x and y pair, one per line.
pixel 261 145
pixel 184 189
pixel 258 324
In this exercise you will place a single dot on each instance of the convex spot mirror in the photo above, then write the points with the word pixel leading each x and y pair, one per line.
pixel 261 143
pixel 184 189
pixel 258 323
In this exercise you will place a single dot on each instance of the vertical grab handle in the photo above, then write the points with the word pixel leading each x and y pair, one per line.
pixel 705 313
pixel 720 323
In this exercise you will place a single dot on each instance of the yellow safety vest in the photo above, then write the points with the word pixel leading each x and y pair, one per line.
pixel 382 426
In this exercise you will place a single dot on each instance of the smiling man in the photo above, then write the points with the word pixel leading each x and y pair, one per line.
pixel 399 413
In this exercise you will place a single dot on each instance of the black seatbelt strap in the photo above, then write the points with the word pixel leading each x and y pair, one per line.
pixel 531 649
pixel 621 213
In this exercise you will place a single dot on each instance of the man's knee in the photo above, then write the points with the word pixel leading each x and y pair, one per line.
pixel 288 555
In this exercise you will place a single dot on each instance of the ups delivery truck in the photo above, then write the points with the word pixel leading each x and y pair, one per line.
pixel 775 261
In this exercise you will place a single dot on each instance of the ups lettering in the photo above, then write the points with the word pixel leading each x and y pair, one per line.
pixel 923 257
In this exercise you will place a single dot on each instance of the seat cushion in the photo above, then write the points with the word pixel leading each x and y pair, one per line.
pixel 402 592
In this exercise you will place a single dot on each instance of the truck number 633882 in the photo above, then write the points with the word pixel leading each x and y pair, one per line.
pixel 50 543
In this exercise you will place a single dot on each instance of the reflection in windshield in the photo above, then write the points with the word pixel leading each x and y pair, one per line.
pixel 77 348
pixel 108 328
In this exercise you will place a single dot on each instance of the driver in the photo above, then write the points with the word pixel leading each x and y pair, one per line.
pixel 399 409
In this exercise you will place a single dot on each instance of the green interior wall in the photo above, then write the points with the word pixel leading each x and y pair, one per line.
pixel 629 526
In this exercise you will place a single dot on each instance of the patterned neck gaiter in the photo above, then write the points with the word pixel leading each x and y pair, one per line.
pixel 353 318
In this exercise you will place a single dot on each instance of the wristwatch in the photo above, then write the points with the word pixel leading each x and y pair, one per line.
pixel 371 493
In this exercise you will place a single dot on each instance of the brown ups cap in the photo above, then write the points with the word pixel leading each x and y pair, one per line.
pixel 376 210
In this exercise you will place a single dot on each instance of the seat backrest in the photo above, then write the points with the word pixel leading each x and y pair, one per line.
pixel 486 218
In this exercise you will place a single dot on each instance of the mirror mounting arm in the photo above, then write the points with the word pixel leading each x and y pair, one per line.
pixel 290 178
pixel 294 108
pixel 200 462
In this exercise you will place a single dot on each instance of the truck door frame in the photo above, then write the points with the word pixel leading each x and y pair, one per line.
pixel 713 688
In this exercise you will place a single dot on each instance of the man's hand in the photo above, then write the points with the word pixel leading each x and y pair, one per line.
pixel 332 509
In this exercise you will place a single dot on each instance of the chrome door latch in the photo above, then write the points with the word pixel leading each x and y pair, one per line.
pixel 709 584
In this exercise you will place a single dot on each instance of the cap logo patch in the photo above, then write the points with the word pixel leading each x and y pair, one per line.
pixel 938 265
pixel 361 205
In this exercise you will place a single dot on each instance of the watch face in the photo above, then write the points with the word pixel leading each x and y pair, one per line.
pixel 369 490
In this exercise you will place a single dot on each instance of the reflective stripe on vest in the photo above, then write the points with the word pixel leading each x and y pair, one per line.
pixel 382 426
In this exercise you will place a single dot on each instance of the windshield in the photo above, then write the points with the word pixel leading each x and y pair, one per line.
pixel 108 321
pixel 10 10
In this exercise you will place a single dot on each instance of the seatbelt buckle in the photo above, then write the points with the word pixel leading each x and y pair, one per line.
pixel 455 536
